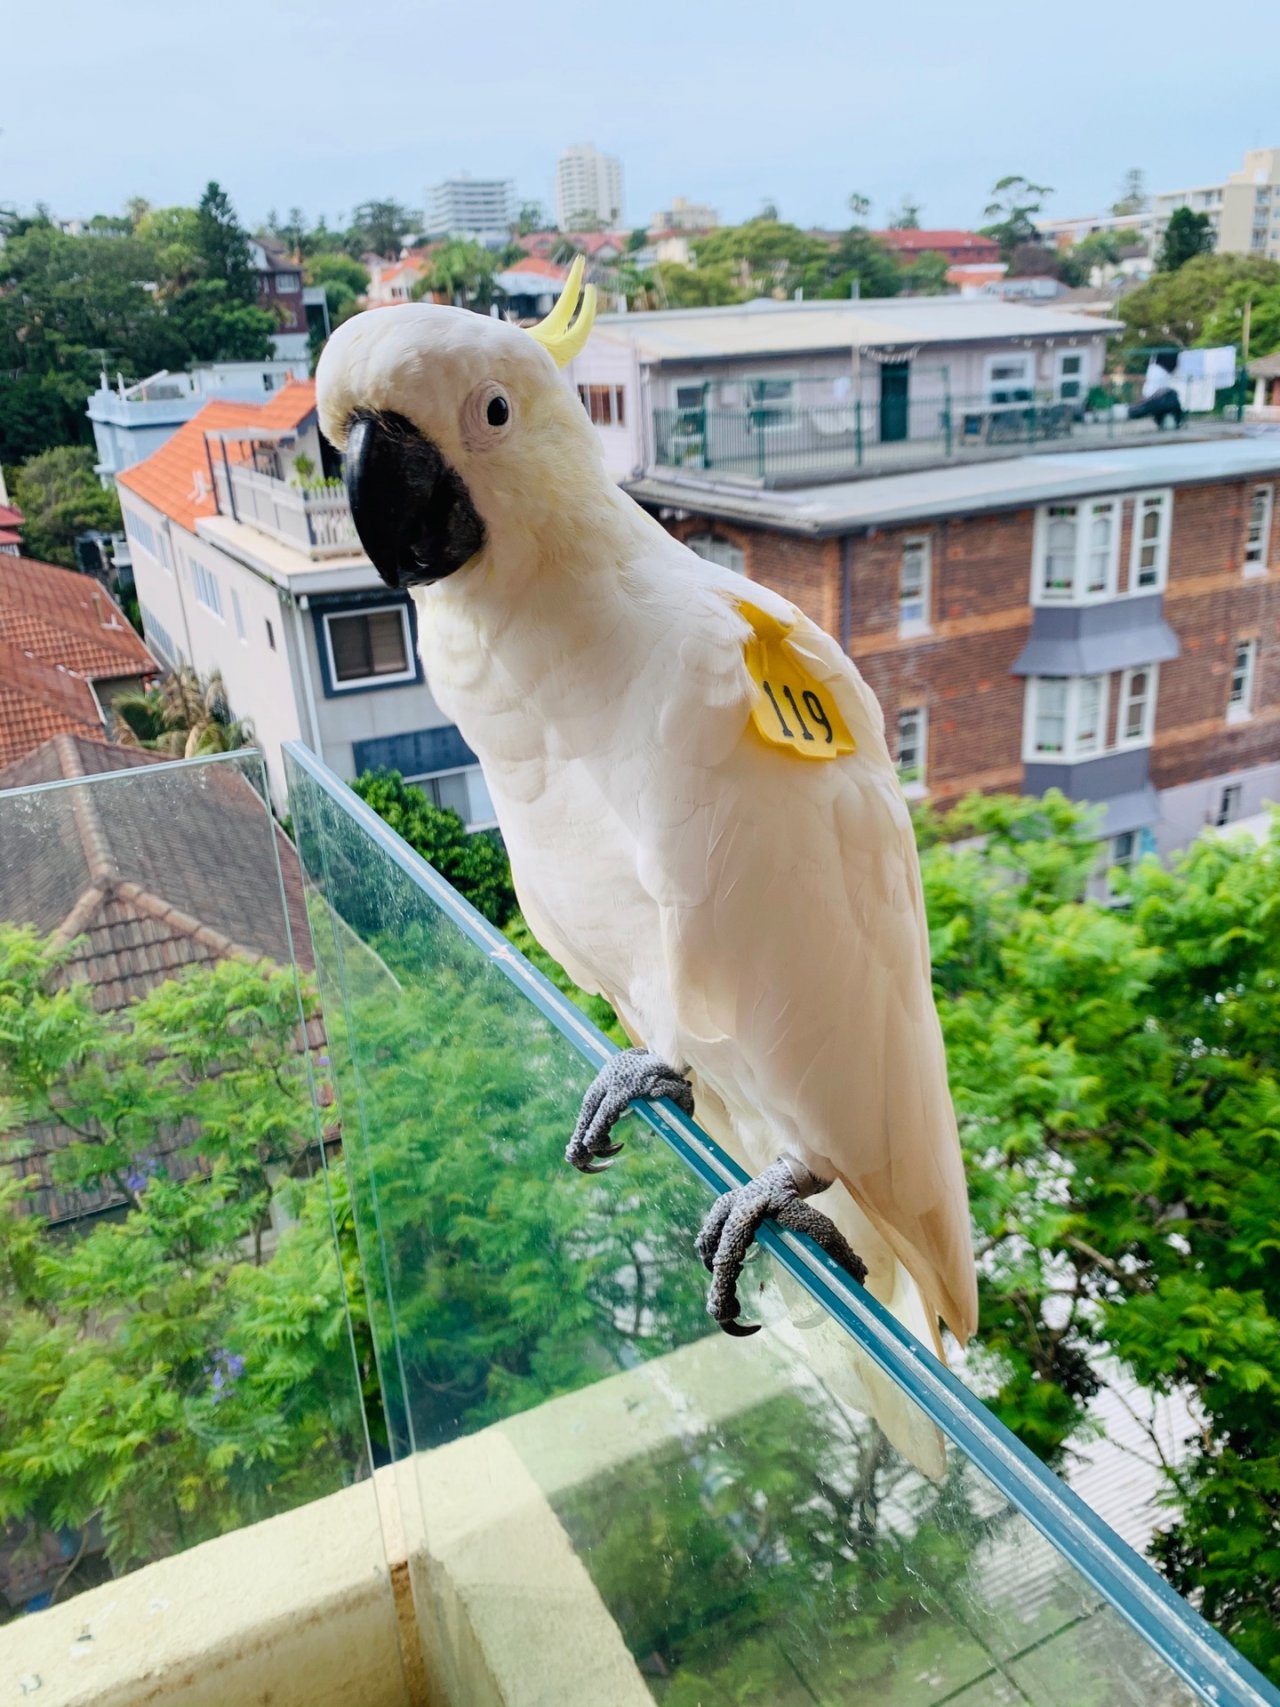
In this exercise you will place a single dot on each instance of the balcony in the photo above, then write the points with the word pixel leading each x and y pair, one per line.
pixel 585 1495
pixel 808 435
pixel 315 520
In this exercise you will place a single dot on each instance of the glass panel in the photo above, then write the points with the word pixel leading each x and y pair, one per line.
pixel 614 1498
pixel 1051 714
pixel 176 1360
pixel 1088 714
pixel 1099 568
pixel 1060 552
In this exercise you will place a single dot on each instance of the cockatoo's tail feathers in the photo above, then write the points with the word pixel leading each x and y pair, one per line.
pixel 555 334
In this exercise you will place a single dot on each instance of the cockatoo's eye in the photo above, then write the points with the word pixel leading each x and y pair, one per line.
pixel 486 416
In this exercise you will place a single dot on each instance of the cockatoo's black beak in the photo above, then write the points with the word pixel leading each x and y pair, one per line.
pixel 412 511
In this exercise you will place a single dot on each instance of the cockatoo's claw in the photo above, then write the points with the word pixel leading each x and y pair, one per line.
pixel 633 1075
pixel 740 1330
pixel 735 1219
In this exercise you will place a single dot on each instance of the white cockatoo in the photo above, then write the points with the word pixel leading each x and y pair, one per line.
pixel 704 822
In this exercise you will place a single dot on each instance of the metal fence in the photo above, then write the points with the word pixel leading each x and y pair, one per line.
pixel 774 429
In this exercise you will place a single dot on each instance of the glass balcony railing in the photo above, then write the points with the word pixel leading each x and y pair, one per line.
pixel 611 1502
pixel 284 1198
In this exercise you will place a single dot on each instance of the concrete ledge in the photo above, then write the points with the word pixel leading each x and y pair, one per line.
pixel 294 1612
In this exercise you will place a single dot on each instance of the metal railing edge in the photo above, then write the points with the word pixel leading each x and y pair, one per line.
pixel 1199 1654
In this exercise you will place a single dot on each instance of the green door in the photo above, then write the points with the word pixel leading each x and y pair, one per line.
pixel 893 401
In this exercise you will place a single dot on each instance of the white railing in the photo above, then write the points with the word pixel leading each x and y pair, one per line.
pixel 317 523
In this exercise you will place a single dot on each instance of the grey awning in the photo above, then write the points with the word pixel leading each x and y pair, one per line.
pixel 1089 640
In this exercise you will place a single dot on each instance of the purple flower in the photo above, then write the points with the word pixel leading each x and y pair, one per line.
pixel 135 1181
pixel 228 1367
pixel 143 1169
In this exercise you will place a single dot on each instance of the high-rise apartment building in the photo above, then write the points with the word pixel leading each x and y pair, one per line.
pixel 481 209
pixel 1244 211
pixel 588 187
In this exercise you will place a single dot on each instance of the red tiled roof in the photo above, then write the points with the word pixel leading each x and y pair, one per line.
pixel 8 537
pixel 917 242
pixel 68 620
pixel 175 478
pixel 537 264
pixel 26 721
pixel 9 517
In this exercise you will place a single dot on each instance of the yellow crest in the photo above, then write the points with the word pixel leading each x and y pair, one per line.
pixel 555 333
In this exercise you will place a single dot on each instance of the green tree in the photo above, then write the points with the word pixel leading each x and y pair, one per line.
pixel 926 275
pixel 906 216
pixel 379 228
pixel 183 716
pixel 476 864
pixel 860 208
pixel 1187 235
pixel 60 496
pixel 1133 194
pixel 1176 308
pixel 766 256
pixel 174 236
pixel 344 280
pixel 210 324
pixel 210 1361
pixel 463 271
pixel 531 217
pixel 1011 212
pixel 710 286
pixel 1225 324
pixel 224 246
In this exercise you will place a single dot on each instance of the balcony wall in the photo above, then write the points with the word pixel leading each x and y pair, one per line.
pixel 316 523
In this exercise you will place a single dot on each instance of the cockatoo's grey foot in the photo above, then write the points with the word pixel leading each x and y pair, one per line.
pixel 633 1075
pixel 735 1219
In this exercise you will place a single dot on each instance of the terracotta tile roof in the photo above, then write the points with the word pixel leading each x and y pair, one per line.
pixel 26 721
pixel 9 517
pixel 68 620
pixel 537 264
pixel 146 876
pixel 175 478
pixel 8 537
pixel 917 242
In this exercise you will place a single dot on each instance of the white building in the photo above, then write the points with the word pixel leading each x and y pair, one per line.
pixel 132 421
pixel 588 187
pixel 1244 211
pixel 684 215
pixel 246 561
pixel 479 209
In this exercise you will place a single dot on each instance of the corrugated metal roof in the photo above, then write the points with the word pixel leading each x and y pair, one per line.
pixel 789 328
pixel 975 487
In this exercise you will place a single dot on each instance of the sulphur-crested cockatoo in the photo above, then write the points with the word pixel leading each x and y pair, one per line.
pixel 704 822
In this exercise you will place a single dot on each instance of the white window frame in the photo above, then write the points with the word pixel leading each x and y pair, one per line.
pixel 917 785
pixel 1060 357
pixel 714 548
pixel 1072 753
pixel 1086 510
pixel 361 684
pixel 923 544
pixel 208 592
pixel 1125 741
pixel 1163 496
pixel 422 777
pixel 1240 708
pixel 1259 565
pixel 1028 363
pixel 1229 803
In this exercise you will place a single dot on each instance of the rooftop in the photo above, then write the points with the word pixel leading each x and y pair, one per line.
pixel 968 489
pixel 59 633
pixel 922 242
pixel 793 328
pixel 176 479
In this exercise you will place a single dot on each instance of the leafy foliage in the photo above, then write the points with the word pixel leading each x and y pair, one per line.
pixel 182 716
pixel 60 496
pixel 1011 212
pixel 462 271
pixel 184 1369
pixel 1187 235
pixel 1183 307
pixel 476 865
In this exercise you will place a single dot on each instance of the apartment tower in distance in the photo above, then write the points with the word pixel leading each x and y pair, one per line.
pixel 588 188
pixel 479 209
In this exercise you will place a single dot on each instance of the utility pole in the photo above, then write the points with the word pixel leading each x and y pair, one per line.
pixel 1248 315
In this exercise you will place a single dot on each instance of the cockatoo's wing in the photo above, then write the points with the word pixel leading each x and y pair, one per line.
pixel 794 934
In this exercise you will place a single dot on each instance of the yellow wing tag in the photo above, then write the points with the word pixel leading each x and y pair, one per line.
pixel 792 708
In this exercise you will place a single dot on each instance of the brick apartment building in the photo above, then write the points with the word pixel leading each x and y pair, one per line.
pixel 1104 622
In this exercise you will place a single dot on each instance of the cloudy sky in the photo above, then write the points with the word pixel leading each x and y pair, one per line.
pixel 322 104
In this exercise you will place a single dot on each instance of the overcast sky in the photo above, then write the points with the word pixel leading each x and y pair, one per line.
pixel 325 104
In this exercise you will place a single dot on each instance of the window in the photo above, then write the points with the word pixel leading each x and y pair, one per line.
pixel 463 792
pixel 1240 699
pixel 913 585
pixel 140 532
pixel 1075 551
pixel 1123 850
pixel 271 633
pixel 288 282
pixel 1010 379
pixel 690 396
pixel 769 404
pixel 1067 717
pixel 1069 375
pixel 1149 553
pixel 913 747
pixel 1137 706
pixel 208 593
pixel 237 613
pixel 369 646
pixel 716 550
pixel 1258 538
pixel 1229 805
pixel 604 404
pixel 159 639
pixel 165 554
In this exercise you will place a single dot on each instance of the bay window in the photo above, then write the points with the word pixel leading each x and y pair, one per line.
pixel 1075 552
pixel 1066 718
pixel 1149 552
